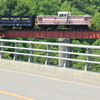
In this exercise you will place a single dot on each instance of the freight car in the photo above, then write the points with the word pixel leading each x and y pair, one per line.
pixel 63 19
pixel 25 22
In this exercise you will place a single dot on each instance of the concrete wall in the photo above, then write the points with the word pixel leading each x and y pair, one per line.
pixel 65 72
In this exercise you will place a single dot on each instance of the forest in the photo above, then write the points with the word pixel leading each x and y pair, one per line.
pixel 51 7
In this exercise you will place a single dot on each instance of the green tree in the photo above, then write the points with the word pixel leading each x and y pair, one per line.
pixel 50 7
pixel 96 19
pixel 66 6
pixel 21 9
pixel 43 7
pixel 96 67
pixel 13 7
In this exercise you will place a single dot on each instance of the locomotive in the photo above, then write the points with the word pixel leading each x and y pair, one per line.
pixel 62 20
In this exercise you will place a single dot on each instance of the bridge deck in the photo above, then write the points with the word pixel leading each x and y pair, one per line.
pixel 49 34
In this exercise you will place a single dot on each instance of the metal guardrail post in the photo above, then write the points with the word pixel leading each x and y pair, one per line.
pixel 89 58
pixel 48 54
pixel 31 52
pixel 16 50
pixel 2 49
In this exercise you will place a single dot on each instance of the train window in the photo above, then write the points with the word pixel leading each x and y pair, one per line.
pixel 86 18
pixel 62 15
pixel 40 18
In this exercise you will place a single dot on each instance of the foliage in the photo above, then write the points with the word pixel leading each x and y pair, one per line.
pixel 96 19
pixel 13 7
pixel 66 6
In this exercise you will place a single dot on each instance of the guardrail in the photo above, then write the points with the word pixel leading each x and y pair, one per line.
pixel 16 52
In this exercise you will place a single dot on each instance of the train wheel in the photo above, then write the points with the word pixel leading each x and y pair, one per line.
pixel 8 27
pixel 53 27
pixel 43 27
pixel 23 27
pixel 26 27
pixel 29 27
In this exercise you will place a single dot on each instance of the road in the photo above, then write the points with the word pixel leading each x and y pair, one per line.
pixel 23 85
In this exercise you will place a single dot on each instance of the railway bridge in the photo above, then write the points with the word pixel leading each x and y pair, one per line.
pixel 50 34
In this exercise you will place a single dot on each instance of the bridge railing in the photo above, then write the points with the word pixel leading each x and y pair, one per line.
pixel 31 50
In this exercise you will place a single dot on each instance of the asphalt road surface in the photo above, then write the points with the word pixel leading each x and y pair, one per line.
pixel 22 85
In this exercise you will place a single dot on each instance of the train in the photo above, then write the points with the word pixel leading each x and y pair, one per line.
pixel 62 20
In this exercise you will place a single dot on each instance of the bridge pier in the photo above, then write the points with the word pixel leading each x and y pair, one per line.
pixel 16 50
pixel 89 58
pixel 67 49
pixel 48 54
pixel 31 52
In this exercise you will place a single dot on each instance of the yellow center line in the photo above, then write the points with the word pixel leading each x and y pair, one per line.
pixel 16 95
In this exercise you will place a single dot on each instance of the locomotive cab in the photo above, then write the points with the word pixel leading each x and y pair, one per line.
pixel 63 18
pixel 63 14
